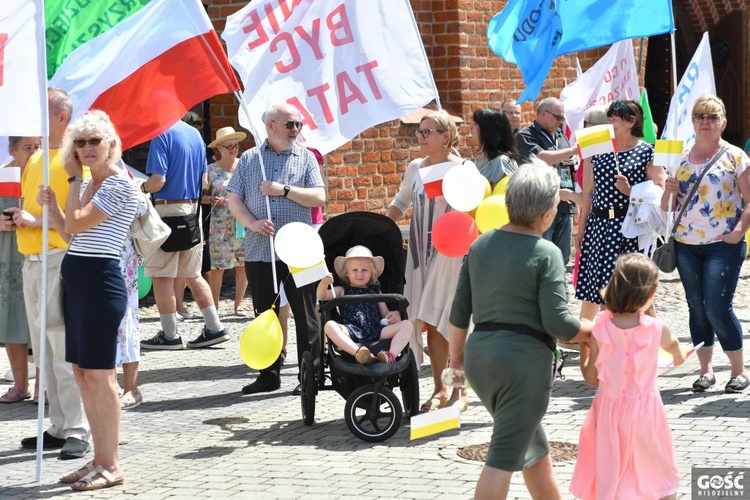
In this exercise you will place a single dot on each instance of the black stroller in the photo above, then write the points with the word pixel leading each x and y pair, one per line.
pixel 372 412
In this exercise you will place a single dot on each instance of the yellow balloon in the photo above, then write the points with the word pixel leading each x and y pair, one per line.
pixel 487 193
pixel 487 187
pixel 501 185
pixel 492 213
pixel 262 341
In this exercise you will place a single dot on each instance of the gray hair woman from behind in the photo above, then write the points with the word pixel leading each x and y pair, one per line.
pixel 519 307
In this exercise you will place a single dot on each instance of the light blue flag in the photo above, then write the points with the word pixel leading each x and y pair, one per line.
pixel 531 33
pixel 526 33
pixel 588 24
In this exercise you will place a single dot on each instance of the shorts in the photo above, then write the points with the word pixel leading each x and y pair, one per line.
pixel 184 264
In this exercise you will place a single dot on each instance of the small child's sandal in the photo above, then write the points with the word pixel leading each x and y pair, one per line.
pixel 363 356
pixel 386 357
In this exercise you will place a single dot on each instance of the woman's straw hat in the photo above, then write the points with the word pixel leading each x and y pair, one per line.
pixel 227 134
pixel 358 251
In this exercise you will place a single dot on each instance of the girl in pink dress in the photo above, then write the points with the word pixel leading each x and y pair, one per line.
pixel 625 448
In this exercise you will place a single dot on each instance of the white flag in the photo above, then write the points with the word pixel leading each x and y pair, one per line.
pixel 698 79
pixel 612 78
pixel 21 87
pixel 345 66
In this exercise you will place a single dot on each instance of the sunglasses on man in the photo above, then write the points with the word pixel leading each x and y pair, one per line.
pixel 290 124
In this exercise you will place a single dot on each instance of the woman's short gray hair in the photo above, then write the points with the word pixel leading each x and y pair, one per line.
pixel 532 191
pixel 93 121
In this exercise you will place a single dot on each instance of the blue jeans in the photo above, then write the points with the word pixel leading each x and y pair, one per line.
pixel 561 230
pixel 709 275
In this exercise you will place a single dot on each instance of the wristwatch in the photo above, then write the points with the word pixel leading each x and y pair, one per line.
pixel 287 188
pixel 75 178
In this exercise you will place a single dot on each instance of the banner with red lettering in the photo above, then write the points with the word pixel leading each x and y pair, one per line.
pixel 346 66
pixel 22 87
pixel 611 78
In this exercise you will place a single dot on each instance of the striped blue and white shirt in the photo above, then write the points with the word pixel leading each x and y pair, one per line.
pixel 118 199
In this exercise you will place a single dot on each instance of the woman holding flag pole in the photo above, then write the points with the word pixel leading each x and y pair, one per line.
pixel 710 239
pixel 607 181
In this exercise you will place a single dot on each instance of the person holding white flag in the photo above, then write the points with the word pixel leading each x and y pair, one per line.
pixel 293 183
pixel 709 240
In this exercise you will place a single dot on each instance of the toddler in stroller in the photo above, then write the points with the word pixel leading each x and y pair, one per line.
pixel 363 322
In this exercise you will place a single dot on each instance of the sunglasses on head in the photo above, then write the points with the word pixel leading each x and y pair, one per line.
pixel 619 106
pixel 290 124
pixel 712 117
pixel 94 141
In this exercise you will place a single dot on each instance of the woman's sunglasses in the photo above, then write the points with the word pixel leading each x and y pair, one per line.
pixel 94 142
pixel 712 117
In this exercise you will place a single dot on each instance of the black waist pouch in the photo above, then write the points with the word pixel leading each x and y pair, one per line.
pixel 186 232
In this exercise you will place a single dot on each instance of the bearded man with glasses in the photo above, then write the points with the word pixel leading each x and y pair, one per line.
pixel 545 140
pixel 294 185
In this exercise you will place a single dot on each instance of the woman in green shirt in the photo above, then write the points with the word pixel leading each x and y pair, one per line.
pixel 513 283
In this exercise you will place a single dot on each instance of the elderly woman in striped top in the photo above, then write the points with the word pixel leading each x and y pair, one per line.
pixel 98 215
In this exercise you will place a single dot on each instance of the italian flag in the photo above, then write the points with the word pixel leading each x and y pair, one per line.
pixel 145 63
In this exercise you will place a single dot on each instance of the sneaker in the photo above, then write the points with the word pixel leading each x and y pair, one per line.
pixel 704 383
pixel 737 384
pixel 161 342
pixel 208 338
pixel 32 373
pixel 182 316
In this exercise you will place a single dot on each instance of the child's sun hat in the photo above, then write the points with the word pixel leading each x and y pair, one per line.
pixel 358 251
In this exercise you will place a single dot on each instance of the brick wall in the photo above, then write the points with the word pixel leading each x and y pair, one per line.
pixel 365 173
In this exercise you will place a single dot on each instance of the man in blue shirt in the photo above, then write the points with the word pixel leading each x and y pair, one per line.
pixel 176 167
pixel 293 185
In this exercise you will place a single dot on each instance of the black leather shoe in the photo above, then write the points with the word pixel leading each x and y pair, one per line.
pixel 73 448
pixel 297 390
pixel 704 383
pixel 261 385
pixel 48 441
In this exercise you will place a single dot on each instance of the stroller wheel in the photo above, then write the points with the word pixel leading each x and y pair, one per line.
pixel 373 414
pixel 409 385
pixel 308 389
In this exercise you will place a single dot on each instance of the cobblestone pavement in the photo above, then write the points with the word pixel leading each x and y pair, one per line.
pixel 197 436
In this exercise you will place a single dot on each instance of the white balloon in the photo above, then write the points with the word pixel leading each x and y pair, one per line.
pixel 299 245
pixel 463 188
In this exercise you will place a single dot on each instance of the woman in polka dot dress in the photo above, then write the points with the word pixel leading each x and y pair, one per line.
pixel 605 203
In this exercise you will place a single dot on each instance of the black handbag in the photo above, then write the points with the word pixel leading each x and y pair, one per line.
pixel 664 256
pixel 186 232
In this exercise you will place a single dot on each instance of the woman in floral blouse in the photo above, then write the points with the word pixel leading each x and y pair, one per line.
pixel 710 244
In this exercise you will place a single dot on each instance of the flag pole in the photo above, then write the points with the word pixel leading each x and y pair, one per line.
pixel 424 58
pixel 243 105
pixel 674 131
pixel 42 354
